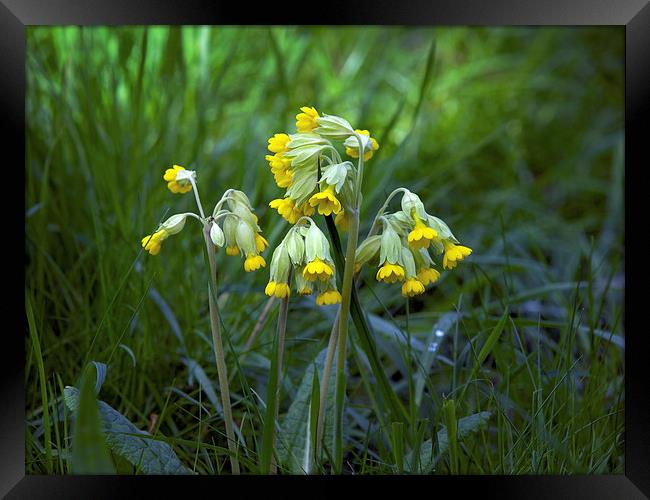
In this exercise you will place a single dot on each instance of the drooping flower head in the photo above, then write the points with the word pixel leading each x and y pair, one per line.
pixel 178 179
pixel 310 167
pixel 305 250
pixel 174 225
pixel 326 201
pixel 152 242
pixel 454 254
pixel 352 146
pixel 241 234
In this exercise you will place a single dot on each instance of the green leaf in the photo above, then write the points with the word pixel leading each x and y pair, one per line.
pixel 125 439
pixel 465 427
pixel 89 452
pixel 294 439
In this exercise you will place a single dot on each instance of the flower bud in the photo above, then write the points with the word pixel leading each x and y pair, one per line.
pixel 408 262
pixel 174 224
pixel 334 126
pixel 280 264
pixel 245 237
pixel 411 202
pixel 216 235
pixel 230 224
pixel 295 247
pixel 368 250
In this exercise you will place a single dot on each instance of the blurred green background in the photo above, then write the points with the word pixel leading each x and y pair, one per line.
pixel 513 136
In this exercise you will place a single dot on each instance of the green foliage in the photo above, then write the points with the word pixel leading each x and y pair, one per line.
pixel 514 136
pixel 89 452
pixel 148 455
pixel 295 440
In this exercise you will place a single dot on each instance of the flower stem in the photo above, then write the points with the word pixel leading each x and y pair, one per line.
pixel 282 330
pixel 344 321
pixel 219 352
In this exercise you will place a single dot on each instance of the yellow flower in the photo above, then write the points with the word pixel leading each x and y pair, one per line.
pixel 390 273
pixel 283 178
pixel 304 290
pixel 328 297
pixel 182 186
pixel 278 143
pixel 317 269
pixel 306 121
pixel 279 290
pixel 152 242
pixel 421 235
pixel 367 154
pixel 326 201
pixel 412 287
pixel 278 162
pixel 428 275
pixel 341 220
pixel 453 254
pixel 286 207
pixel 260 243
pixel 232 250
pixel 253 263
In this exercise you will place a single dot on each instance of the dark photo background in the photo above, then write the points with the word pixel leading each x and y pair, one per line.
pixel 512 135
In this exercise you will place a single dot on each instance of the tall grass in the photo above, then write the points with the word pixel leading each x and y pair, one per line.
pixel 513 135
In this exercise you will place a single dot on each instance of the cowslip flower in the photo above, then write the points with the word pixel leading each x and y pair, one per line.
pixel 278 143
pixel 428 275
pixel 279 290
pixel 390 273
pixel 319 264
pixel 178 180
pixel 318 269
pixel 326 201
pixel 328 297
pixel 307 120
pixel 254 262
pixel 411 287
pixel 303 285
pixel 279 273
pixel 260 243
pixel 353 151
pixel 421 235
pixel 152 242
pixel 454 254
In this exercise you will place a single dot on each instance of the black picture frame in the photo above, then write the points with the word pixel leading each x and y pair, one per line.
pixel 634 15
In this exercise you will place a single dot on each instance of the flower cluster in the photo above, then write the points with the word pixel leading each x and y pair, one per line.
pixel 238 231
pixel 306 251
pixel 310 168
pixel 402 250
